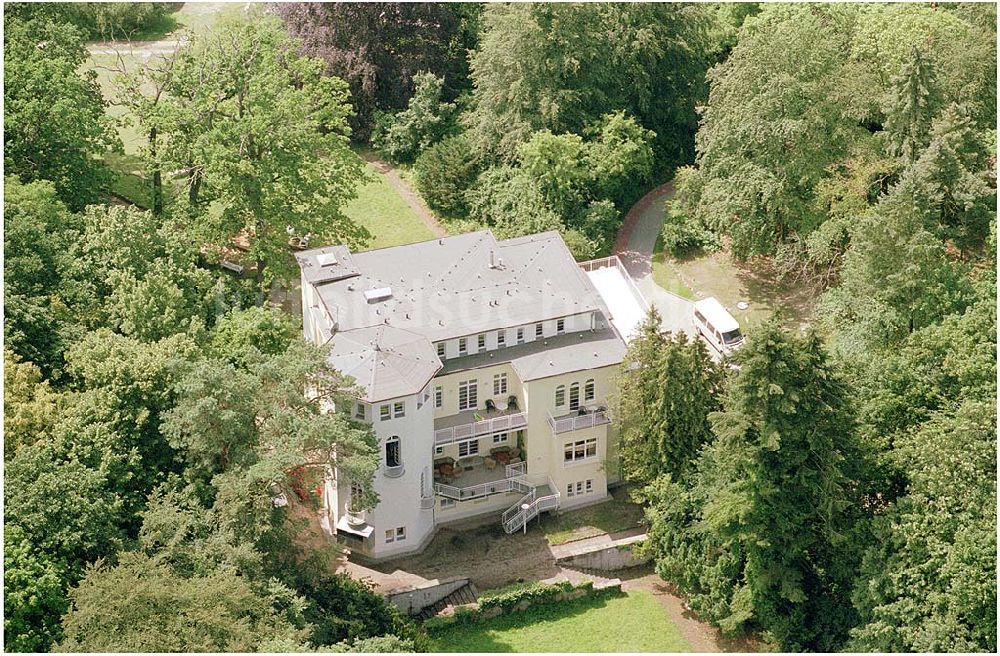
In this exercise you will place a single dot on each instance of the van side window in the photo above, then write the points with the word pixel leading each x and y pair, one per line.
pixel 710 327
pixel 698 316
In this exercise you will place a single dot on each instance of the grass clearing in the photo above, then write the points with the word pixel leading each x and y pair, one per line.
pixel 613 516
pixel 665 274
pixel 385 214
pixel 633 622
pixel 701 275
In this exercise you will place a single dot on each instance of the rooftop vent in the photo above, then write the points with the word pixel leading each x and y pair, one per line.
pixel 378 294
pixel 326 259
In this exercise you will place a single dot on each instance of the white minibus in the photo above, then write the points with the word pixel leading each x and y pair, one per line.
pixel 716 325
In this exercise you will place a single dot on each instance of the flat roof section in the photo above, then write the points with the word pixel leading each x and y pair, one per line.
pixel 627 306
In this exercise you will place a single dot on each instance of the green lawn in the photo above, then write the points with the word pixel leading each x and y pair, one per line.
pixel 635 622
pixel 619 514
pixel 717 274
pixel 386 215
pixel 665 274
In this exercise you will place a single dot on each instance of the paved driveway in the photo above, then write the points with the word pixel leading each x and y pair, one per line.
pixel 635 248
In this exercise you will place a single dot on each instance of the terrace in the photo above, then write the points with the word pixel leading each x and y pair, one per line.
pixel 474 481
pixel 477 423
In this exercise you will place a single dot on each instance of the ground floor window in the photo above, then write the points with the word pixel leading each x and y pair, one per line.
pixel 395 534
pixel 580 450
pixel 469 448
pixel 580 487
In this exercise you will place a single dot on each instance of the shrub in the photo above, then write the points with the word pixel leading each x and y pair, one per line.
pixel 507 599
pixel 443 174
pixel 423 123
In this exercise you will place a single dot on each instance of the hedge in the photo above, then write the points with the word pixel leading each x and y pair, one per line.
pixel 519 596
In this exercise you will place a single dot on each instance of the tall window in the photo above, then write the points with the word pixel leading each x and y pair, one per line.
pixel 383 412
pixel 560 396
pixel 399 409
pixel 580 450
pixel 440 348
pixel 393 456
pixel 588 390
pixel 499 384
pixel 520 335
pixel 438 397
pixel 560 326
pixel 463 346
pixel 574 396
pixel 501 338
pixel 359 411
pixel 481 342
pixel 538 330
pixel 468 394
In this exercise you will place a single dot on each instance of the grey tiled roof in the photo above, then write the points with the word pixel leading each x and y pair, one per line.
pixel 386 362
pixel 453 287
pixel 551 356
pixel 445 288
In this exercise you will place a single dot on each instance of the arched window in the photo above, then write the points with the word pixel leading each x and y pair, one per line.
pixel 560 396
pixel 588 390
pixel 393 457
pixel 574 396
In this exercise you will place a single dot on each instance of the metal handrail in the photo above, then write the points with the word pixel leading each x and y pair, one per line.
pixel 577 422
pixel 523 516
pixel 514 482
pixel 516 508
pixel 473 429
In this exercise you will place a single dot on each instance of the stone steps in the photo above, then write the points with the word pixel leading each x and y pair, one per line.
pixel 467 594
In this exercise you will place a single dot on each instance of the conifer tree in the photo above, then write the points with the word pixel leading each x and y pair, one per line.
pixel 760 537
pixel 668 386
pixel 913 101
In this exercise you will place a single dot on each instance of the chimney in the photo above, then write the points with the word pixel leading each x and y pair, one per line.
pixel 493 259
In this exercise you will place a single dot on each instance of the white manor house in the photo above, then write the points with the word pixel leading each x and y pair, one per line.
pixel 485 369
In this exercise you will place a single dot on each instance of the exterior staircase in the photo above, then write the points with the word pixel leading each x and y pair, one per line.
pixel 527 508
pixel 467 594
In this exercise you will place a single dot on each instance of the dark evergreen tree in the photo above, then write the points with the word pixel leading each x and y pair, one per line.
pixel 761 539
pixel 667 387
pixel 913 102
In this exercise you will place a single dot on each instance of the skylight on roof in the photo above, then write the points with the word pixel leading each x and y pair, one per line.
pixel 326 259
pixel 379 294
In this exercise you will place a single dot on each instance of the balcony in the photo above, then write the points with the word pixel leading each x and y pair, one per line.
pixel 578 419
pixel 477 482
pixel 476 423
pixel 392 472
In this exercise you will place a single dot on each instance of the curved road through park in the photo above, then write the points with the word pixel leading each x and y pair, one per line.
pixel 634 246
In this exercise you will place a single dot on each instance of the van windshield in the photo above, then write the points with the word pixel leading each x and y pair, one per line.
pixel 732 337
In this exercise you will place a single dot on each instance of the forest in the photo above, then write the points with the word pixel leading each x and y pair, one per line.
pixel 834 490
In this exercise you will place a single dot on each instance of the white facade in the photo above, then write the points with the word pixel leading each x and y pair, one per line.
pixel 508 420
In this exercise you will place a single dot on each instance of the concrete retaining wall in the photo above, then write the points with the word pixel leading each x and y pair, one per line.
pixel 606 558
pixel 413 600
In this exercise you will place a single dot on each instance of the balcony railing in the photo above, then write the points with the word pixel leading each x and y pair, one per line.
pixel 513 482
pixel 500 424
pixel 577 422
pixel 613 261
